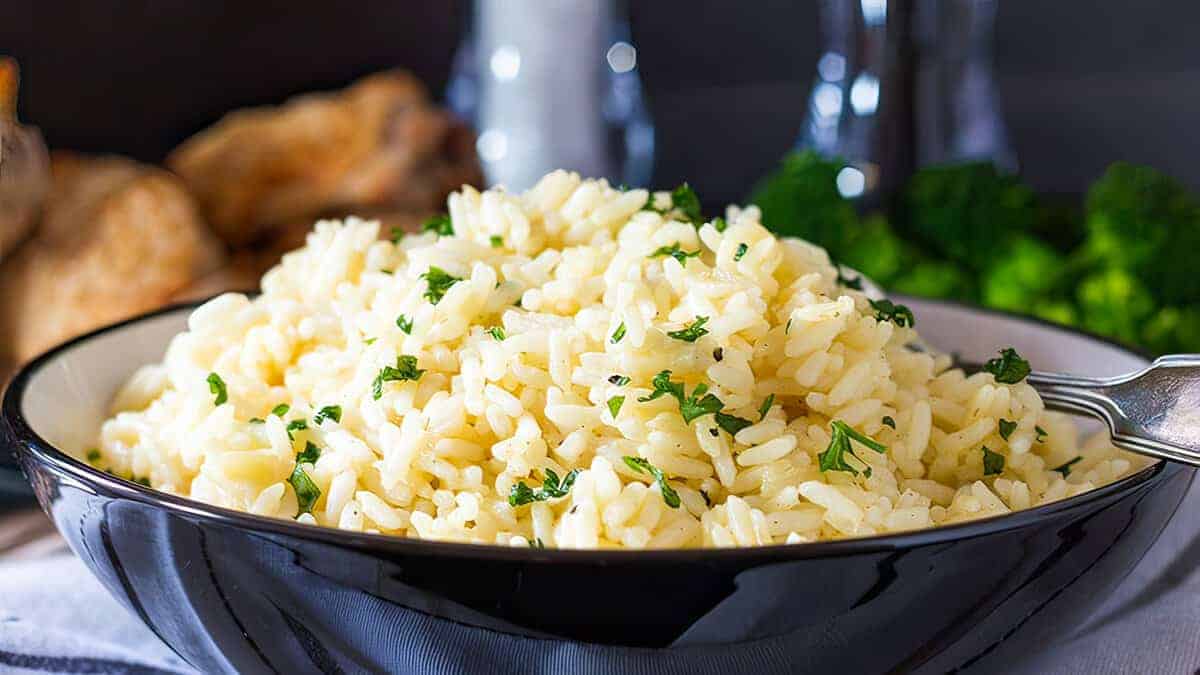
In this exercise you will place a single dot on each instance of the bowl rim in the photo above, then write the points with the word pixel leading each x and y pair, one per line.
pixel 30 446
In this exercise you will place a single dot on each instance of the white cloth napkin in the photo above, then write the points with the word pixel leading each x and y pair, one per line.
pixel 56 618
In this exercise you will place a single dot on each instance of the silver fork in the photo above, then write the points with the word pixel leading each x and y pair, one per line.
pixel 1155 411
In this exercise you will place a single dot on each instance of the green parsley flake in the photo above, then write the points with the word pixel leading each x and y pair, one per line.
pixel 496 240
pixel 788 328
pixel 732 424
pixel 1040 433
pixel 618 380
pixel 93 455
pixel 405 370
pixel 692 332
pixel 842 280
pixel 1010 368
pixel 888 421
pixel 497 333
pixel 993 462
pixel 719 224
pixel 886 310
pixel 142 480
pixel 256 420
pixel 296 425
pixel 309 454
pixel 440 224
pixel 741 251
pixel 397 235
pixel 619 333
pixel 700 403
pixel 1065 469
pixel 307 492
pixel 669 495
pixel 217 386
pixel 370 341
pixel 438 282
pixel 522 494
pixel 1006 428
pixel 281 410
pixel 675 252
pixel 614 405
pixel 834 457
pixel 404 323
pixel 329 412
pixel 765 407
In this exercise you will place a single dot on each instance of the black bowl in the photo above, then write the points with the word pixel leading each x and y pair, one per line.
pixel 230 591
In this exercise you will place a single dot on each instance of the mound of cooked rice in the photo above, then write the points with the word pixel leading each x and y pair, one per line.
pixel 580 366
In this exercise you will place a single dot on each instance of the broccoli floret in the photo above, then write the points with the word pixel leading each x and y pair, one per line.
pixel 874 249
pixel 1027 271
pixel 1141 220
pixel 801 199
pixel 1113 302
pixel 1173 329
pixel 936 279
pixel 966 212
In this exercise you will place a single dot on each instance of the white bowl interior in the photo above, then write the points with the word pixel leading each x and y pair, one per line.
pixel 68 397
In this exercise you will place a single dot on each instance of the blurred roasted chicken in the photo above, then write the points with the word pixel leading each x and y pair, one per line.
pixel 117 238
pixel 24 168
pixel 380 144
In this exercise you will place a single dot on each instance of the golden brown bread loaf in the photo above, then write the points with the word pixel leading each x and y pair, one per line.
pixel 117 238
pixel 380 144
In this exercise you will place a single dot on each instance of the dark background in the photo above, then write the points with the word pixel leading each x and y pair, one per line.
pixel 1084 82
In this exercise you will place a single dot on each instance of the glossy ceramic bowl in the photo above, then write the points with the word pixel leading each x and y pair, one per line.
pixel 235 592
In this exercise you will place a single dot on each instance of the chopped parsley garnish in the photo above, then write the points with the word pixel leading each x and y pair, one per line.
pixel 397 235
pixel 719 224
pixel 834 457
pixel 732 424
pixel 788 328
pixel 888 421
pixel 1010 368
pixel 217 386
pixel 741 251
pixel 692 332
pixel 93 454
pixel 141 480
pixel 496 240
pixel 309 454
pixel 683 200
pixel 522 494
pixel 993 462
pixel 619 333
pixel 670 496
pixel 614 405
pixel 842 280
pixel 296 425
pixel 707 499
pixel 370 341
pixel 307 492
pixel 497 332
pixel 1006 428
pixel 405 369
pixel 438 281
pixel 690 407
pixel 404 323
pixel 329 412
pixel 886 310
pixel 1065 469
pixel 256 420
pixel 281 410
pixel 765 407
pixel 618 380
pixel 1041 434
pixel 675 252
pixel 440 224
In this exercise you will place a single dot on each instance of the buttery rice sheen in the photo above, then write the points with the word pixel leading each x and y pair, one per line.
pixel 516 362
